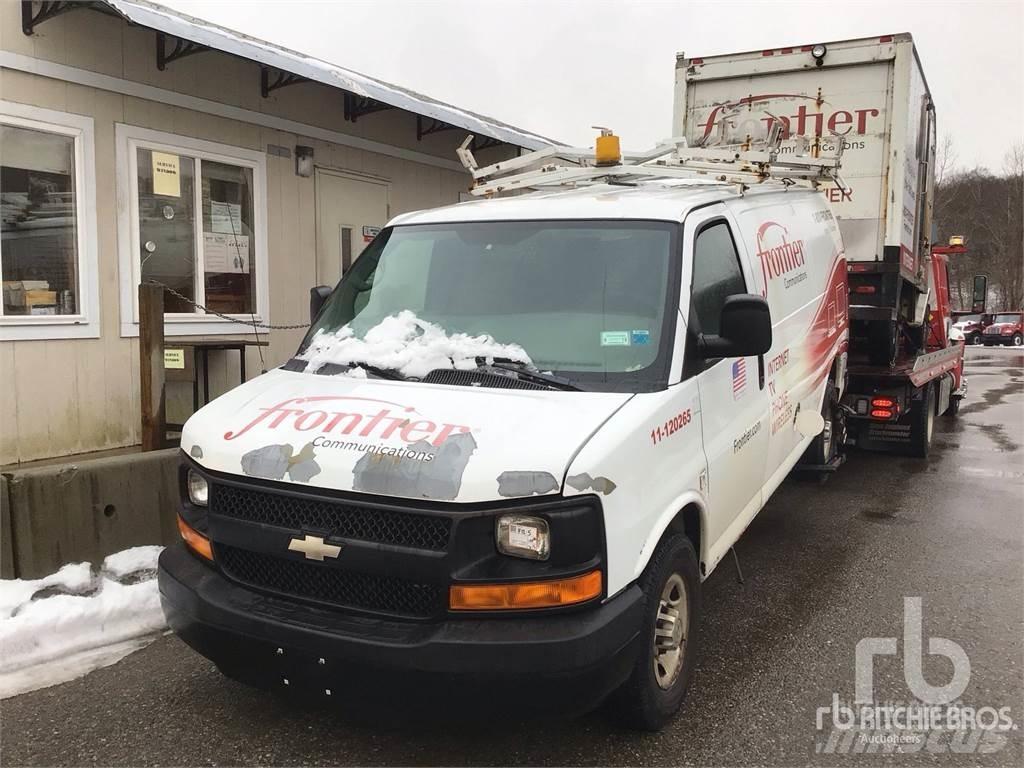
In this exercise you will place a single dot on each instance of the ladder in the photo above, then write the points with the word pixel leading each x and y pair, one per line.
pixel 742 165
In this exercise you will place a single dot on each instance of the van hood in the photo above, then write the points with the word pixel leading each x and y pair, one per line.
pixel 407 439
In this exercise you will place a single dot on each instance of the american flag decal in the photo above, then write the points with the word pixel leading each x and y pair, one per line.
pixel 739 378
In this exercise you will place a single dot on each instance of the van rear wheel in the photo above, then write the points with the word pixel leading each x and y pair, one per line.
pixel 826 445
pixel 667 643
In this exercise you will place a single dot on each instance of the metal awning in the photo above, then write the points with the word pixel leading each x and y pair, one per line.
pixel 364 94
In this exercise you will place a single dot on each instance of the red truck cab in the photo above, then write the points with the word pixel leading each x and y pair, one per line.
pixel 1007 328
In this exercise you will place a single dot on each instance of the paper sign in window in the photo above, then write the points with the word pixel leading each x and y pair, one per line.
pixel 166 175
pixel 174 359
pixel 226 218
pixel 226 253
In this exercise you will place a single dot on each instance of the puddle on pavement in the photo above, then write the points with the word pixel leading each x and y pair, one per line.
pixel 886 517
pixel 992 361
pixel 991 397
pixel 985 472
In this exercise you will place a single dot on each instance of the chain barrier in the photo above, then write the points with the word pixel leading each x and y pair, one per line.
pixel 250 323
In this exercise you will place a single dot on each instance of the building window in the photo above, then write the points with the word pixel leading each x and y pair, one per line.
pixel 47 225
pixel 196 225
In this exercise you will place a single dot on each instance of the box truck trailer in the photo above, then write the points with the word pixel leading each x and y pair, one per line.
pixel 869 99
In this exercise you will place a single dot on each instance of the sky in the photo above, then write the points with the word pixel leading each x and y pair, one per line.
pixel 558 67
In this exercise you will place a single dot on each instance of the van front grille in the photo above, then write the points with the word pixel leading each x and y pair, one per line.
pixel 329 584
pixel 337 519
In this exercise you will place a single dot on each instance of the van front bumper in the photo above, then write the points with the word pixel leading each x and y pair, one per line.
pixel 565 661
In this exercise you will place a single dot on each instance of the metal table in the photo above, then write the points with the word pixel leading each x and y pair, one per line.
pixel 201 349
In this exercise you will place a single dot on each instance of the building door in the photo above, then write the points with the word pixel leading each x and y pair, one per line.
pixel 350 210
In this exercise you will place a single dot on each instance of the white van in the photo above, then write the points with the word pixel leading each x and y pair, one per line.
pixel 518 436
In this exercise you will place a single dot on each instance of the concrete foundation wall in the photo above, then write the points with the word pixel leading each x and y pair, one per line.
pixel 6 545
pixel 87 510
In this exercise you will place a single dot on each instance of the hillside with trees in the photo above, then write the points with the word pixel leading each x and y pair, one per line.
pixel 988 209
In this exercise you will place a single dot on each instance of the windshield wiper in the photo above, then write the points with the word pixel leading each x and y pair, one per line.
pixel 332 369
pixel 525 371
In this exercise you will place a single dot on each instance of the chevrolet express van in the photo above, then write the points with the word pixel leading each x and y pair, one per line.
pixel 518 436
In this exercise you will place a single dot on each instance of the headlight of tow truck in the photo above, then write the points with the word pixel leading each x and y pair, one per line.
pixel 523 536
pixel 198 489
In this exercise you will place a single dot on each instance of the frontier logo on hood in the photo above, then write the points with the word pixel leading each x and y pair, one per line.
pixel 777 253
pixel 362 416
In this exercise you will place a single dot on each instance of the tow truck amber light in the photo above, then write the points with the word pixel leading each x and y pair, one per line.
pixel 533 594
pixel 195 540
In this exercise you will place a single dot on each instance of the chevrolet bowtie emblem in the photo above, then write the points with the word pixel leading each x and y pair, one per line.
pixel 313 548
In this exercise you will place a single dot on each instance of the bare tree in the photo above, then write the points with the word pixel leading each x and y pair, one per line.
pixel 945 158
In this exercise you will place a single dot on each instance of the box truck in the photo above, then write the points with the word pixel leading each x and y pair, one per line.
pixel 868 98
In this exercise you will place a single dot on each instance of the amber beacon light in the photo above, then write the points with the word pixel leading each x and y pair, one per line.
pixel 607 150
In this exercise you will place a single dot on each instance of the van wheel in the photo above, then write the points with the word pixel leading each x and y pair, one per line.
pixel 825 446
pixel 883 340
pixel 922 424
pixel 668 639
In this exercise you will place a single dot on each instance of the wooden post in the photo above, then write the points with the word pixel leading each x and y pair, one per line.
pixel 151 366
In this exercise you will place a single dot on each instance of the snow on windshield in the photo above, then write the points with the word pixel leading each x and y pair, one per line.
pixel 406 344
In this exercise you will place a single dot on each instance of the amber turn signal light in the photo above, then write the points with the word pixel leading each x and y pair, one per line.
pixel 530 594
pixel 195 540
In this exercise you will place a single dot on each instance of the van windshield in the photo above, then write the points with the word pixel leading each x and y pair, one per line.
pixel 590 301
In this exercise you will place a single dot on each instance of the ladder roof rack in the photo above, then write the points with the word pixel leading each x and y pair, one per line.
pixel 743 165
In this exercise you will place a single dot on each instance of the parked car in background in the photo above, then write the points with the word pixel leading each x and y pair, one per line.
pixel 1006 328
pixel 972 327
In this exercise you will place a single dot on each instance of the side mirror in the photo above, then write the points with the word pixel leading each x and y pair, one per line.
pixel 979 294
pixel 317 297
pixel 745 328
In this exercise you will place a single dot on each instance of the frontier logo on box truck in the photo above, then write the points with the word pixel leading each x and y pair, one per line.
pixel 840 122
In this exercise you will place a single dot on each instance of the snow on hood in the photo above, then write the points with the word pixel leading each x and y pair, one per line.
pixel 404 343
pixel 397 438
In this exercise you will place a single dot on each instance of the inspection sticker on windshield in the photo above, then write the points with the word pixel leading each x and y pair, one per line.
pixel 614 338
pixel 640 338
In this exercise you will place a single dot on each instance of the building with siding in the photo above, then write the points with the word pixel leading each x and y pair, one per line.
pixel 140 144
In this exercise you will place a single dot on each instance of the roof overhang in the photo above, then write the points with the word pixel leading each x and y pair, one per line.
pixel 363 93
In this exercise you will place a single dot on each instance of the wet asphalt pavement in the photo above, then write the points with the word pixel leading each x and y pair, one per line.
pixel 825 566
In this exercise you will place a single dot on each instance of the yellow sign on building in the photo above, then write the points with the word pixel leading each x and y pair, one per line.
pixel 166 175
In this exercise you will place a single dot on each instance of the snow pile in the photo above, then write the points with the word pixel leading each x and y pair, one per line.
pixel 130 562
pixel 73 577
pixel 58 637
pixel 404 343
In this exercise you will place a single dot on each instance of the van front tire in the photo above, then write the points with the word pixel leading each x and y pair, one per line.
pixel 655 690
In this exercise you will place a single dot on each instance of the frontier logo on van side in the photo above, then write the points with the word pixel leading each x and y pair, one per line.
pixel 777 253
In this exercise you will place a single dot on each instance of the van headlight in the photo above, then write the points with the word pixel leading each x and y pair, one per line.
pixel 198 489
pixel 523 536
